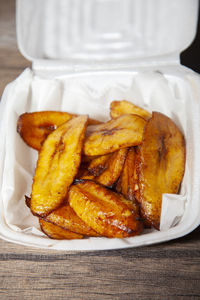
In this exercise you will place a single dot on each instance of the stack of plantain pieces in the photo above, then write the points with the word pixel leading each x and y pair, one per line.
pixel 97 179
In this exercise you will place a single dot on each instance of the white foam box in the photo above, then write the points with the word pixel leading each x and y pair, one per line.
pixel 86 53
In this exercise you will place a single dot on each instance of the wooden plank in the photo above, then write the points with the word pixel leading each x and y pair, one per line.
pixel 102 277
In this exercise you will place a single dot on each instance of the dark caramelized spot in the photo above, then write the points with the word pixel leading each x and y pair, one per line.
pixel 61 146
pixel 48 127
pixel 162 150
pixel 96 171
pixel 110 132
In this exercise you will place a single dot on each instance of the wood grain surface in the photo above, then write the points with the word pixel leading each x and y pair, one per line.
pixel 167 271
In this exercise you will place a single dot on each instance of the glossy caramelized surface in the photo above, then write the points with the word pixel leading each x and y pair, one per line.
pixel 66 218
pixel 57 165
pixel 125 131
pixel 106 212
pixel 56 232
pixel 162 165
pixel 118 108
pixel 36 126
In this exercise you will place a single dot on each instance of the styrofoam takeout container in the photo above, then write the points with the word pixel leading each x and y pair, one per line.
pixel 85 54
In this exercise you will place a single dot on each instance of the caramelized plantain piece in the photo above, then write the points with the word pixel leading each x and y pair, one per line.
pixel 136 174
pixel 108 213
pixel 56 232
pixel 99 164
pixel 66 218
pixel 107 166
pixel 162 164
pixel 36 126
pixel 114 168
pixel 125 131
pixel 128 181
pixel 118 108
pixel 57 166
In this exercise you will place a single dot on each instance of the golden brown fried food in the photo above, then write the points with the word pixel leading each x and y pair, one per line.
pixel 56 232
pixel 99 165
pixel 106 212
pixel 36 126
pixel 118 108
pixel 113 169
pixel 57 166
pixel 125 131
pixel 136 173
pixel 128 181
pixel 108 167
pixel 66 218
pixel 162 163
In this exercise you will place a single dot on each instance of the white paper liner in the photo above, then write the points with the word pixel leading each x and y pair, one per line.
pixel 88 94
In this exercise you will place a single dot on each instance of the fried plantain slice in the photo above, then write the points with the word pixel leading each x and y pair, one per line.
pixel 57 165
pixel 113 169
pixel 108 213
pixel 107 166
pixel 136 173
pixel 128 181
pixel 36 126
pixel 99 164
pixel 66 218
pixel 162 164
pixel 56 232
pixel 125 131
pixel 118 108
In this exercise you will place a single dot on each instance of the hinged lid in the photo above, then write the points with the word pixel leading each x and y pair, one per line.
pixel 75 32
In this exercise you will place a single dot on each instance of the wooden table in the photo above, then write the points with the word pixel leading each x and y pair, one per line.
pixel 167 271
